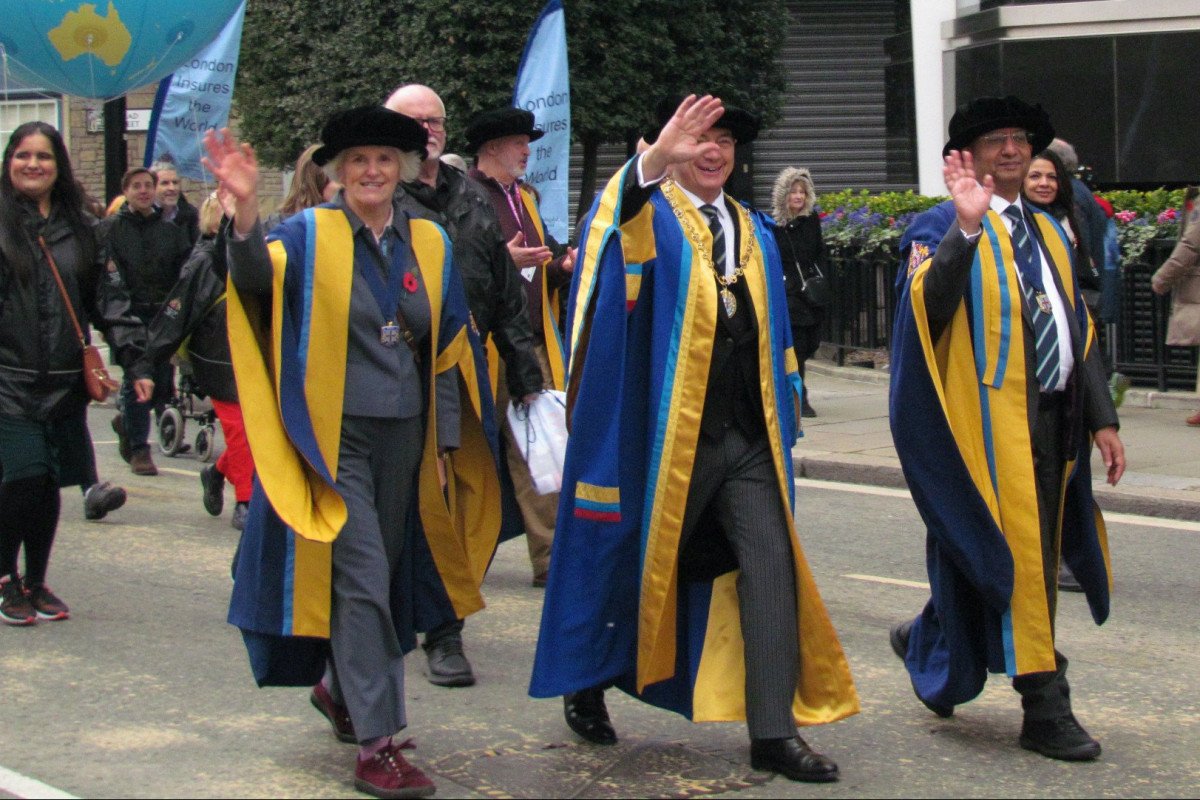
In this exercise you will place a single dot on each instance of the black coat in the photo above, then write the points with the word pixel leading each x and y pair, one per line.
pixel 801 249
pixel 494 293
pixel 195 308
pixel 41 362
pixel 148 252
pixel 187 216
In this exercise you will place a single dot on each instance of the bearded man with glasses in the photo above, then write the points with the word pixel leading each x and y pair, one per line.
pixel 997 395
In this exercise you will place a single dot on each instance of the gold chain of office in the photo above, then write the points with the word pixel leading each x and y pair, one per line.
pixel 678 203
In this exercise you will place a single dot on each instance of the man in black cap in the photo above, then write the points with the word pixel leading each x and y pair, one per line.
pixel 997 395
pixel 448 197
pixel 678 575
pixel 500 140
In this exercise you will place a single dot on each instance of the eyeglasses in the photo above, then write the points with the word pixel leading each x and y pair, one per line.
pixel 996 140
pixel 435 124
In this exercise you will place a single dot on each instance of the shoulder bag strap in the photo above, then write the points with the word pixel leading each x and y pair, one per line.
pixel 62 290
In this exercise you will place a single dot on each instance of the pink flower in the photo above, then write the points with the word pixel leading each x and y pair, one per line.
pixel 1126 216
pixel 1166 216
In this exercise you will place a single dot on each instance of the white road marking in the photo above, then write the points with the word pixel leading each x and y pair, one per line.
pixel 856 488
pixel 889 581
pixel 15 783
pixel 1110 517
pixel 177 471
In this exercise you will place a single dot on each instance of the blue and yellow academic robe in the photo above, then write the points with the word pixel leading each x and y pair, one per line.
pixel 290 363
pixel 641 324
pixel 959 411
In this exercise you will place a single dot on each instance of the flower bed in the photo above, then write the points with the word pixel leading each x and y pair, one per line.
pixel 865 226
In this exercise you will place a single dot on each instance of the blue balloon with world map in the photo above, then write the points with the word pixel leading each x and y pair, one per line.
pixel 106 48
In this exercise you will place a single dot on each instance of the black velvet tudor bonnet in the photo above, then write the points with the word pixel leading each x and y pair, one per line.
pixel 369 126
pixel 986 114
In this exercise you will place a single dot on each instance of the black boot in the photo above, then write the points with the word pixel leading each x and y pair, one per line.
pixel 1062 738
pixel 587 715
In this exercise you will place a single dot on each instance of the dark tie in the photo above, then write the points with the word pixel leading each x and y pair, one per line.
pixel 718 237
pixel 1045 331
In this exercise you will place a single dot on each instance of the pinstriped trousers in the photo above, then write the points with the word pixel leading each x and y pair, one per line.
pixel 734 484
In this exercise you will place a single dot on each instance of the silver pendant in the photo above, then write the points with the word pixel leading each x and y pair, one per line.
pixel 389 334
pixel 1043 302
pixel 730 301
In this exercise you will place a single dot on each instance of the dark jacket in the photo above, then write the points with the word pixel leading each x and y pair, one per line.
pixel 187 216
pixel 196 308
pixel 801 249
pixel 494 293
pixel 148 252
pixel 41 365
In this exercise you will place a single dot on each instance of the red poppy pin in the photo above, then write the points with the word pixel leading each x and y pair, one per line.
pixel 410 282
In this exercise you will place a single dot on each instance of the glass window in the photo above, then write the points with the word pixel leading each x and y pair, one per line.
pixel 14 113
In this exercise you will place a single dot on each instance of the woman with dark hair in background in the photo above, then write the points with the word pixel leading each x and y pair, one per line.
pixel 798 234
pixel 44 443
pixel 1048 187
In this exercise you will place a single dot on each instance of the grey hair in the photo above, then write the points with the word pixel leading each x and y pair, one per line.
pixel 1066 154
pixel 410 165
pixel 783 187
pixel 162 164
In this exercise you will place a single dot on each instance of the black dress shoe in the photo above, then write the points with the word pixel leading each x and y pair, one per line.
pixel 898 636
pixel 807 411
pixel 447 664
pixel 1062 738
pixel 587 715
pixel 1067 582
pixel 792 758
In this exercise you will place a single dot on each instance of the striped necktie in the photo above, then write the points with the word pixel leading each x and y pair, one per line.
pixel 1045 330
pixel 718 236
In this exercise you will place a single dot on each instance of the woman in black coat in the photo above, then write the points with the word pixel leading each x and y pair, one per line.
pixel 44 443
pixel 798 234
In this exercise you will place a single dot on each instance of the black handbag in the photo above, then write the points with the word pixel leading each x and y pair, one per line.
pixel 815 287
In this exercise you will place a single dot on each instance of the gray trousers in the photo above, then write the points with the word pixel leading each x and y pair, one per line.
pixel 734 484
pixel 1047 695
pixel 377 463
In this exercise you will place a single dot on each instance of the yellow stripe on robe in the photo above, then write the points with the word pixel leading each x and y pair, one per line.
pixel 447 542
pixel 550 304
pixel 951 363
pixel 825 691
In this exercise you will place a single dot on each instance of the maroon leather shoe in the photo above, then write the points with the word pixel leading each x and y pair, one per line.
pixel 337 715
pixel 388 775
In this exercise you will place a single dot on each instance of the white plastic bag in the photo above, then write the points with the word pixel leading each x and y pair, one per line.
pixel 540 430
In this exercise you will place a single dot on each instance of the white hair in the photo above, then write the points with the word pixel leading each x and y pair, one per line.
pixel 1066 154
pixel 410 165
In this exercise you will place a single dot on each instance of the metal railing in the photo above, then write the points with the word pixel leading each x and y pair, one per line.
pixel 858 320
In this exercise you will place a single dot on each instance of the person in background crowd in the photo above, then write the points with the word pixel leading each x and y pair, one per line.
pixel 174 203
pixel 44 444
pixel 146 252
pixel 500 140
pixel 997 396
pixel 1180 275
pixel 309 188
pixel 1048 188
pixel 677 547
pixel 454 160
pixel 798 234
pixel 353 500
pixel 195 313
pixel 445 195
pixel 1092 222
pixel 99 497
